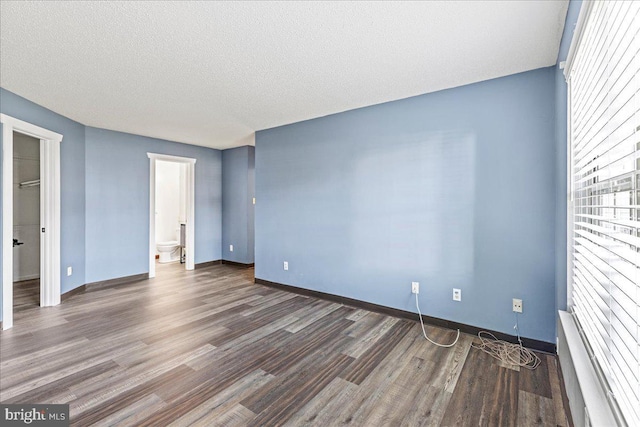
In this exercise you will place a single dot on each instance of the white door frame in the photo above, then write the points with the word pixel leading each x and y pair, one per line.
pixel 49 214
pixel 191 199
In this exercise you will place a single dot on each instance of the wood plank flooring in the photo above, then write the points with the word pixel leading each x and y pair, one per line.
pixel 26 294
pixel 210 347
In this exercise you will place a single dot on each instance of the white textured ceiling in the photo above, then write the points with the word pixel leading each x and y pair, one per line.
pixel 212 73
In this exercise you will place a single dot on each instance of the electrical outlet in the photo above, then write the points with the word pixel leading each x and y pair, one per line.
pixel 517 305
pixel 69 271
pixel 457 294
pixel 230 248
pixel 415 287
pixel 286 265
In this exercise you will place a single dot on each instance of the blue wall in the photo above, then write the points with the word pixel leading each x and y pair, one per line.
pixel 237 205
pixel 72 174
pixel 105 196
pixel 117 184
pixel 251 221
pixel 359 203
pixel 452 189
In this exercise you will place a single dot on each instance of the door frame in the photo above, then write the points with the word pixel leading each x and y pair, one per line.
pixel 190 227
pixel 49 213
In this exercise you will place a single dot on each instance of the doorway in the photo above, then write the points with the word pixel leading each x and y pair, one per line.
pixel 49 227
pixel 26 222
pixel 171 213
pixel 187 166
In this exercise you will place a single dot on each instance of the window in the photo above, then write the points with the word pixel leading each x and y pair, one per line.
pixel 604 168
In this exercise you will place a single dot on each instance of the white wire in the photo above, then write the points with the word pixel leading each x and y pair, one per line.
pixel 517 328
pixel 425 333
pixel 514 354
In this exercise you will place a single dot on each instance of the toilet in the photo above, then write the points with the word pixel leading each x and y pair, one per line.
pixel 169 250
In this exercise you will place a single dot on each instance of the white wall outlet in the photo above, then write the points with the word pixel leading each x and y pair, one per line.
pixel 285 265
pixel 517 305
pixel 69 271
pixel 457 294
pixel 230 248
pixel 415 287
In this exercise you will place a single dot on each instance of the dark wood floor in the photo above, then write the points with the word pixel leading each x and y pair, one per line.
pixel 209 347
pixel 26 295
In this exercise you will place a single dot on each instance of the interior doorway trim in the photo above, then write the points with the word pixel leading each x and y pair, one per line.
pixel 49 213
pixel 191 199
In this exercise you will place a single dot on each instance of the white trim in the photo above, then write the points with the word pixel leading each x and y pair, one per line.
pixel 572 351
pixel 190 227
pixel 152 217
pixel 169 158
pixel 50 221
pixel 585 12
pixel 7 225
pixel 49 213
pixel 29 129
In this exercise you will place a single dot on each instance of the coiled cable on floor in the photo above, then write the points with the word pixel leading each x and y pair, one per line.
pixel 425 333
pixel 514 354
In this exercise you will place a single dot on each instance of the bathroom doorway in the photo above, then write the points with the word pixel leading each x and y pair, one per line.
pixel 172 212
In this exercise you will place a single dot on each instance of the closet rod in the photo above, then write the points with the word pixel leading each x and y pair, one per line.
pixel 33 183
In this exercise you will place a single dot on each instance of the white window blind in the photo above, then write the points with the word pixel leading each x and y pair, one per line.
pixel 604 112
